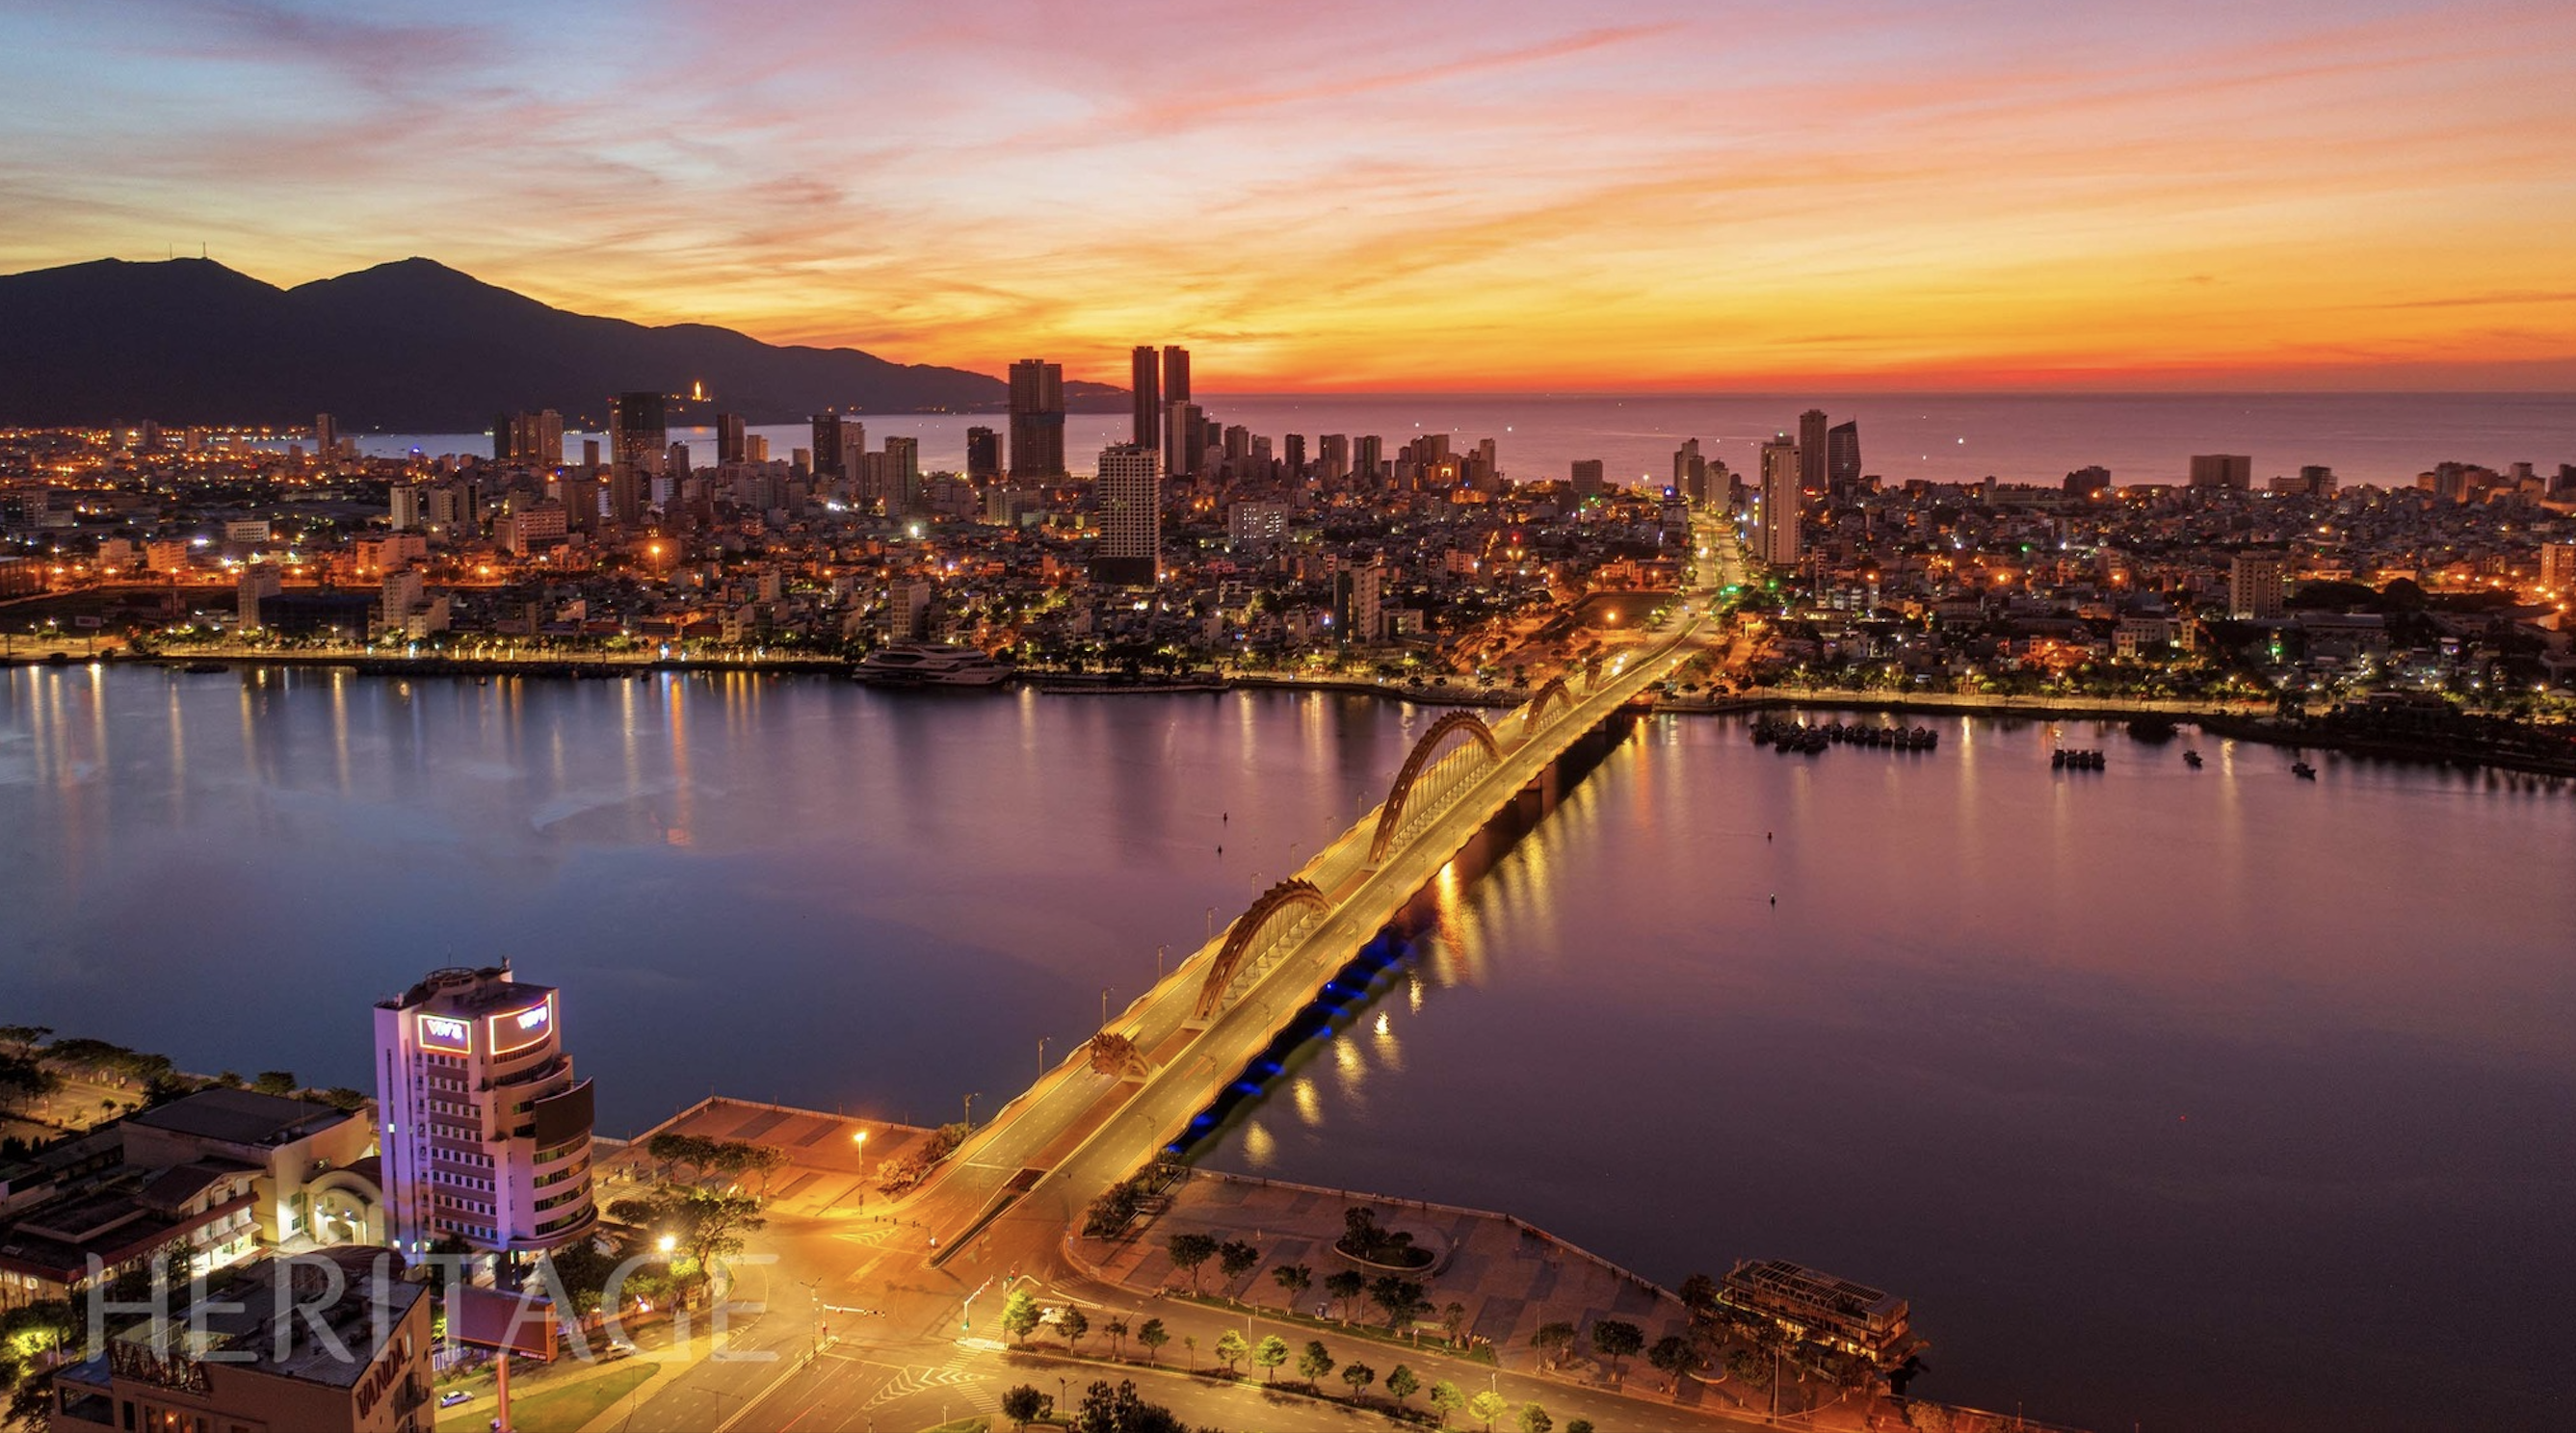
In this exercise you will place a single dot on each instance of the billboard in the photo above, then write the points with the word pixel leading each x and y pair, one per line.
pixel 445 1035
pixel 488 1318
pixel 518 1029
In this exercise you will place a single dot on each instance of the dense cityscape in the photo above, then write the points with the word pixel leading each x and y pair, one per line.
pixel 1648 718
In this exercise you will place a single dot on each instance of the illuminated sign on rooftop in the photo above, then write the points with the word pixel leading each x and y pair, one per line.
pixel 519 1029
pixel 446 1035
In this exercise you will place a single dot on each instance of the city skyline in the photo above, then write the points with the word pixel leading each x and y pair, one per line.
pixel 1960 197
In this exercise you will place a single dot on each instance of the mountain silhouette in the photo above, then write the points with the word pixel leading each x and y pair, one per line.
pixel 411 346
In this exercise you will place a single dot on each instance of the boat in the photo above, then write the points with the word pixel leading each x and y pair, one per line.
pixel 926 664
pixel 203 668
pixel 2303 771
pixel 2191 759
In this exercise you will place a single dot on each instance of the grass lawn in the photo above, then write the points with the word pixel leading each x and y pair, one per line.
pixel 563 1410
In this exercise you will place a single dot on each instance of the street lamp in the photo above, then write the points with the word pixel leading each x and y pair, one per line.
pixel 1042 1044
pixel 970 1109
pixel 1104 1006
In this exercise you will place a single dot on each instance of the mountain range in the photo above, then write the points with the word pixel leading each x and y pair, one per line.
pixel 411 346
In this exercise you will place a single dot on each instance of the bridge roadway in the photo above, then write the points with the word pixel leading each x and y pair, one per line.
pixel 1078 1131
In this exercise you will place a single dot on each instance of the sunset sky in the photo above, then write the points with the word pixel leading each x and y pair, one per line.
pixel 1447 195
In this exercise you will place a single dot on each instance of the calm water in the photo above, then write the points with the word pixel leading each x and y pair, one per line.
pixel 2367 438
pixel 2209 1100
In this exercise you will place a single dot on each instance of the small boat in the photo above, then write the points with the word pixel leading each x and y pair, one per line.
pixel 2191 759
pixel 916 664
pixel 203 668
pixel 2303 771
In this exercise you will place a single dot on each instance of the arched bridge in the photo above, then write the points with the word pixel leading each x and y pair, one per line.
pixel 1438 767
pixel 1253 943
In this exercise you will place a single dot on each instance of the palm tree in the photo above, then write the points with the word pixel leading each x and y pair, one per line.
pixel 1117 1330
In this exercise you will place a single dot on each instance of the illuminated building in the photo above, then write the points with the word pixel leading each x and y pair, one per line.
pixel 1356 593
pixel 1813 425
pixel 2223 470
pixel 2254 586
pixel 833 436
pixel 2558 567
pixel 1852 1318
pixel 1037 420
pixel 903 475
pixel 532 440
pixel 354 1356
pixel 1776 519
pixel 1131 517
pixel 485 1132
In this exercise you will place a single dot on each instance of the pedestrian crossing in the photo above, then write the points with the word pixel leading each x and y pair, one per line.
pixel 954 1380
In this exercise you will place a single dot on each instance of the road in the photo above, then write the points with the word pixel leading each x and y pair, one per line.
pixel 930 1354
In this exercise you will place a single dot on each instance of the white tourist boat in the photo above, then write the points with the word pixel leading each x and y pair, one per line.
pixel 923 664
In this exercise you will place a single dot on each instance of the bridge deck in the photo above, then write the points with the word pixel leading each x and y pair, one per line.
pixel 1089 1129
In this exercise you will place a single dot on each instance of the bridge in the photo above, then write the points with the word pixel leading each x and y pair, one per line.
pixel 1120 1099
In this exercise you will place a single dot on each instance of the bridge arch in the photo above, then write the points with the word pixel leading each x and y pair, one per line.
pixel 1555 691
pixel 1592 673
pixel 1434 744
pixel 1245 944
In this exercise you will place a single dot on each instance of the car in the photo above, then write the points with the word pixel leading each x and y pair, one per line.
pixel 452 1397
pixel 617 1348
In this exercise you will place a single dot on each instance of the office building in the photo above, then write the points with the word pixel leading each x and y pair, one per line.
pixel 1176 374
pixel 1842 458
pixel 729 436
pixel 533 440
pixel 2558 568
pixel 902 478
pixel 2254 586
pixel 1813 426
pixel 334 1342
pixel 637 433
pixel 484 1130
pixel 983 455
pixel 1296 455
pixel 1184 441
pixel 1037 421
pixel 2223 470
pixel 1129 501
pixel 1587 478
pixel 1145 397
pixel 1357 592
pixel 832 433
pixel 1776 515
pixel 326 435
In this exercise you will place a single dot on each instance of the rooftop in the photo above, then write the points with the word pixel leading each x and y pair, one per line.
pixel 240 1117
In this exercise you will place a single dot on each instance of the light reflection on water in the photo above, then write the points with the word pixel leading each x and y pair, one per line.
pixel 1955 1058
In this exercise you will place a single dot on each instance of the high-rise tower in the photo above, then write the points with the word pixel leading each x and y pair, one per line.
pixel 1130 502
pixel 1037 420
pixel 1145 394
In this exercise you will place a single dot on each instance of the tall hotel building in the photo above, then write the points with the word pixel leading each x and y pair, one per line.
pixel 1131 517
pixel 1776 522
pixel 485 1132
pixel 1037 421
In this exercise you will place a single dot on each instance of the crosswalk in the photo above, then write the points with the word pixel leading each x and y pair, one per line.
pixel 954 1380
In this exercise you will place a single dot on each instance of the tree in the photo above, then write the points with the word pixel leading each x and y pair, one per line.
pixel 1359 1376
pixel 1402 1382
pixel 1674 1356
pixel 708 1228
pixel 1231 1347
pixel 1579 1425
pixel 1020 1315
pixel 1553 1341
pixel 1152 1337
pixel 1116 1328
pixel 1293 1281
pixel 1699 1293
pixel 1486 1407
pixel 1399 1297
pixel 1534 1419
pixel 1121 1410
pixel 1024 1405
pixel 1272 1352
pixel 1446 1397
pixel 1453 1320
pixel 1616 1339
pixel 1073 1325
pixel 1314 1362
pixel 1235 1258
pixel 1190 1342
pixel 1345 1285
pixel 274 1082
pixel 24 1081
pixel 1189 1251
pixel 31 1403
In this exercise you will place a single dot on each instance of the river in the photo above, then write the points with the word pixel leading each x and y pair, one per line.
pixel 2193 1099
